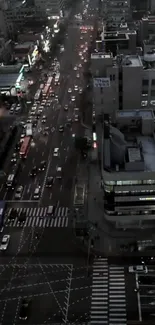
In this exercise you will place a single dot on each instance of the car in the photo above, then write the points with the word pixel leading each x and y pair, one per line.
pixel 59 172
pixel 80 90
pixel 76 118
pixel 14 158
pixel 17 109
pixel 12 110
pixel 138 269
pixel 77 76
pixel 69 90
pixel 80 65
pixel 69 122
pixel 37 192
pixel 75 68
pixel 76 87
pixel 66 108
pixel 34 171
pixel 19 192
pixel 56 152
pixel 43 120
pixel 5 242
pixel 50 181
pixel 61 128
pixel 42 166
pixel 24 309
pixel 73 98
pixel 76 110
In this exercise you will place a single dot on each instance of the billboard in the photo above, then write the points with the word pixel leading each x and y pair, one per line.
pixel 101 82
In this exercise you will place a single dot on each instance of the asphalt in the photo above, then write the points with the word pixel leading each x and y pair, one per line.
pixel 61 193
pixel 47 265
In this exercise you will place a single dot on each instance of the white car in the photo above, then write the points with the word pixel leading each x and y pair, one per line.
pixel 37 193
pixel 59 172
pixel 69 90
pixel 76 87
pixel 75 68
pixel 73 98
pixel 5 242
pixel 77 76
pixel 80 90
pixel 76 118
pixel 138 269
pixel 19 192
pixel 56 152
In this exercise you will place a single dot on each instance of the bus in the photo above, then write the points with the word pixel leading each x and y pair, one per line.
pixel 2 212
pixel 41 86
pixel 29 129
pixel 57 77
pixel 79 195
pixel 37 94
pixel 49 81
pixel 45 90
pixel 12 176
pixel 25 146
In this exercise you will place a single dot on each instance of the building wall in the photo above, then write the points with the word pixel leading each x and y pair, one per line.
pixel 132 86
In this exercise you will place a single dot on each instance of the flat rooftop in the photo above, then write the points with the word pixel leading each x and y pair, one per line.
pixel 132 60
pixel 135 113
pixel 25 45
pixel 8 80
pixel 129 145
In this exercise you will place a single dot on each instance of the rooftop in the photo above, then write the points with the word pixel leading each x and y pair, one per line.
pixel 132 61
pixel 129 145
pixel 8 80
pixel 25 45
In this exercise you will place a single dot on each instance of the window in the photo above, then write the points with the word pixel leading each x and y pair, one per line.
pixel 153 82
pixel 152 93
pixel 113 77
pixel 101 90
pixel 145 82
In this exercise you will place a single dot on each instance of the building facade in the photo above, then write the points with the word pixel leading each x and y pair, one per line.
pixel 128 169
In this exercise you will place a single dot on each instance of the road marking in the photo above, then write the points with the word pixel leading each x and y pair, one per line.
pixel 68 295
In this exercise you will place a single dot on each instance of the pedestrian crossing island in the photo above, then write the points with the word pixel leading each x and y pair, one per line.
pixel 37 217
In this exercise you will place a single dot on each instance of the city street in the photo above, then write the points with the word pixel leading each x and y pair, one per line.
pixel 71 66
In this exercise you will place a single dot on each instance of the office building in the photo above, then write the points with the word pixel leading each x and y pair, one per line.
pixel 128 169
pixel 123 82
pixel 53 8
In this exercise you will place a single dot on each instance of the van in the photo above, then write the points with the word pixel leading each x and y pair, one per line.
pixel 51 210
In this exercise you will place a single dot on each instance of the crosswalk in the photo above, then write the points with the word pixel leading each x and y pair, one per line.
pixel 37 217
pixel 117 296
pixel 99 301
pixel 108 301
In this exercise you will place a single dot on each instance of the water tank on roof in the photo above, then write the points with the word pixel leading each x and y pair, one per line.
pixel 150 56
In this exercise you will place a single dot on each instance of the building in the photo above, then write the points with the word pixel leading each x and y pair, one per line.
pixel 123 82
pixel 115 42
pixel 16 13
pixel 52 8
pixel 10 78
pixel 117 12
pixel 128 169
pixel 26 52
pixel 5 50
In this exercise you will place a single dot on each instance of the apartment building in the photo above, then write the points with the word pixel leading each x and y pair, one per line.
pixel 128 169
pixel 53 8
pixel 124 42
pixel 117 12
pixel 123 82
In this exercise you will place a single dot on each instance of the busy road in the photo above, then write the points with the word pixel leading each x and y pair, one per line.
pixel 59 108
